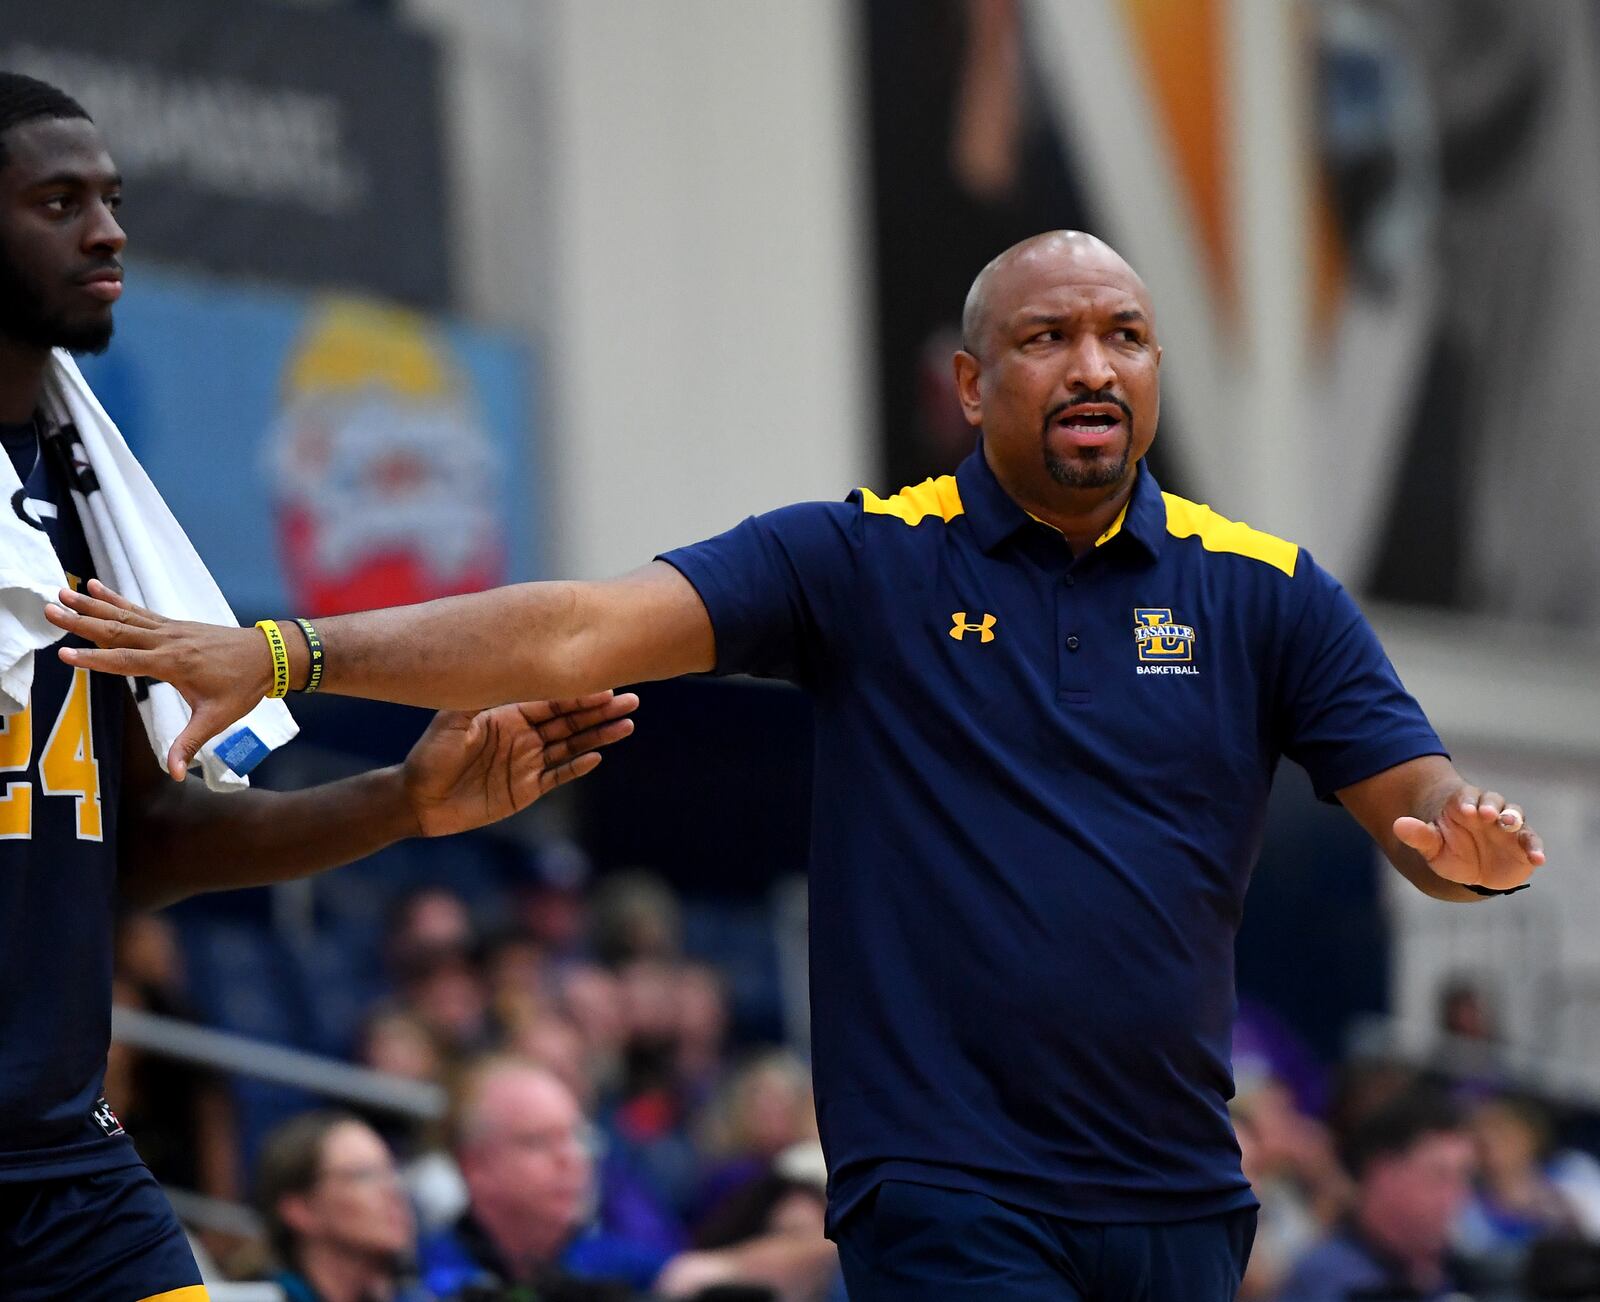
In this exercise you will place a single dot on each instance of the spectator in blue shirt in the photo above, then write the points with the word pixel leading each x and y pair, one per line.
pixel 1049 702
pixel 1413 1164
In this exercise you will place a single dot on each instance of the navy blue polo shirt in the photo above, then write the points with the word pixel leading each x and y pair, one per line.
pixel 1040 788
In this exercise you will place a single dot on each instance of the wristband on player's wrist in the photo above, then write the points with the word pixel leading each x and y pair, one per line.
pixel 314 646
pixel 280 658
pixel 1484 890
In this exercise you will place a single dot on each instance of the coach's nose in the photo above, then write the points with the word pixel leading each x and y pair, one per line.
pixel 1088 364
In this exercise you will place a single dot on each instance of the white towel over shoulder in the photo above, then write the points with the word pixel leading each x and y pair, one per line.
pixel 140 550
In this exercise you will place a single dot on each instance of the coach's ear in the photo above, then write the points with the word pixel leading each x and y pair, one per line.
pixel 969 374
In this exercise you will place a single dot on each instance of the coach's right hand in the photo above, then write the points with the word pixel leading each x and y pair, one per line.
pixel 221 672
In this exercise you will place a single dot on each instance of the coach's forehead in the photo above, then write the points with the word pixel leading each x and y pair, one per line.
pixel 1057 266
pixel 1072 267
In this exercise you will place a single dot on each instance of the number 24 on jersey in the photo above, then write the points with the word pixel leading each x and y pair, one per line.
pixel 67 765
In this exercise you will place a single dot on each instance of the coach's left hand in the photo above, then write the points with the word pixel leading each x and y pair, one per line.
pixel 1477 839
pixel 468 770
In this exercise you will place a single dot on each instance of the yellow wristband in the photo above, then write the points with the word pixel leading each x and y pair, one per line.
pixel 280 658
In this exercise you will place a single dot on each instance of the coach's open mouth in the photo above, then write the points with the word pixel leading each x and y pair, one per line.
pixel 1090 423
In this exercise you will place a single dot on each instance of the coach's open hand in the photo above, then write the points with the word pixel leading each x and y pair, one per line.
pixel 468 770
pixel 1477 839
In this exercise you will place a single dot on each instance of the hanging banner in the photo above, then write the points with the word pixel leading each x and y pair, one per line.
pixel 261 139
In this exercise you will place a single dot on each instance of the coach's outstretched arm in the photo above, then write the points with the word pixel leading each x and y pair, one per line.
pixel 526 642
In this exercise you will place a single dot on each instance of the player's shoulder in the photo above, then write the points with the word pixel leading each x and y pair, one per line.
pixel 1217 535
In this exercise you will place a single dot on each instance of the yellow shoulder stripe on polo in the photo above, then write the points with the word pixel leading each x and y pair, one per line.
pixel 932 497
pixel 1186 519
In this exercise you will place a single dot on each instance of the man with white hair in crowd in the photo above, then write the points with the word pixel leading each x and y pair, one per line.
pixel 524 1148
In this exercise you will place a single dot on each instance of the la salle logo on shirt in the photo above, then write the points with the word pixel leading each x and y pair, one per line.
pixel 1163 645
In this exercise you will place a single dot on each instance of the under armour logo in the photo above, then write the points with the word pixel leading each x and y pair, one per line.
pixel 984 629
pixel 106 1119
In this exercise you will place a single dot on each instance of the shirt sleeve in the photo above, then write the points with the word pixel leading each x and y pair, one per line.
pixel 779 588
pixel 1343 714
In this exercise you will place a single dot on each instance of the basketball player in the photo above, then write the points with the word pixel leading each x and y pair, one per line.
pixel 86 819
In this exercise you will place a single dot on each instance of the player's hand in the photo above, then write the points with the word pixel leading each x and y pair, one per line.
pixel 471 769
pixel 1477 839
pixel 221 672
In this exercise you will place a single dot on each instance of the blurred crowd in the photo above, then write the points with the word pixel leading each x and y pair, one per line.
pixel 606 1138
pixel 1437 1179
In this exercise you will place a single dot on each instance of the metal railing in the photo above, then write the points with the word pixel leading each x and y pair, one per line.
pixel 225 1051
pixel 216 1050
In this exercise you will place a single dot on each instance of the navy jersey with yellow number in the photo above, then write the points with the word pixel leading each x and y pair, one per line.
pixel 60 771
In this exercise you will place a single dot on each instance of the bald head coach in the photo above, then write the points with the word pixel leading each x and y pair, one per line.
pixel 1049 702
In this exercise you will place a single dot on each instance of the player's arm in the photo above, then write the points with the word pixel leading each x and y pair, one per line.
pixel 529 641
pixel 794 1264
pixel 467 770
pixel 1441 832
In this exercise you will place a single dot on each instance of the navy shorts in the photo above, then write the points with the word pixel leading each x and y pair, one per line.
pixel 910 1242
pixel 107 1237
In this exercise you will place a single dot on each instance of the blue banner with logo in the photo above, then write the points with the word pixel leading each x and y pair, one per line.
pixel 327 453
